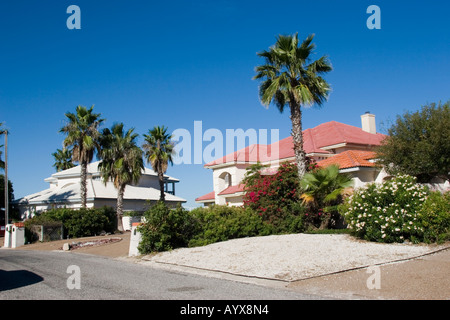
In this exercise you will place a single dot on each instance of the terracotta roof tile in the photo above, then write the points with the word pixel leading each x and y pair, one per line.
pixel 326 134
pixel 208 196
pixel 350 159
pixel 233 189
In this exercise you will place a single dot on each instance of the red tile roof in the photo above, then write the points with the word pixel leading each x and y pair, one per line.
pixel 345 160
pixel 324 135
pixel 208 196
pixel 350 159
pixel 233 189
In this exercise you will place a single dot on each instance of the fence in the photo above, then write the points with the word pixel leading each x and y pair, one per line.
pixel 44 233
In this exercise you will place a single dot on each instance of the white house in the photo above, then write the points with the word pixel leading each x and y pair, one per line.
pixel 64 191
pixel 329 143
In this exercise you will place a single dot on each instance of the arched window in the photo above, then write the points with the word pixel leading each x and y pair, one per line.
pixel 225 181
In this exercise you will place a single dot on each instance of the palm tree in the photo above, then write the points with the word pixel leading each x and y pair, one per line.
pixel 159 152
pixel 121 163
pixel 83 136
pixel 63 159
pixel 323 188
pixel 291 79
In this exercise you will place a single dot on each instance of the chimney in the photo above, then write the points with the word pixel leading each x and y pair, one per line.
pixel 368 122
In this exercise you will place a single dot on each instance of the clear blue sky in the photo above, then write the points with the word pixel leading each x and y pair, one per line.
pixel 147 63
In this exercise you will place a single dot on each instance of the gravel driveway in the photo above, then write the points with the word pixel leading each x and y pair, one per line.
pixel 290 257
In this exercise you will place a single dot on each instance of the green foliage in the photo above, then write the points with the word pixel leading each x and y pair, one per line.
pixel 290 77
pixel 159 152
pixel 323 189
pixel 79 223
pixel 397 210
pixel 14 213
pixel 63 159
pixel 276 197
pixel 418 144
pixel 165 228
pixel 221 223
pixel 435 217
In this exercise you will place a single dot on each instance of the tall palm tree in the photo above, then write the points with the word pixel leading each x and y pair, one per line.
pixel 83 136
pixel 63 159
pixel 290 78
pixel 159 152
pixel 121 163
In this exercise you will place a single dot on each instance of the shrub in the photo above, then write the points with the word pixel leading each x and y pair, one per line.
pixel 435 217
pixel 276 197
pixel 166 229
pixel 81 222
pixel 388 212
pixel 221 223
pixel 323 190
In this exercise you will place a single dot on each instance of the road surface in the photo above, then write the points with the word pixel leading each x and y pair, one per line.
pixel 43 275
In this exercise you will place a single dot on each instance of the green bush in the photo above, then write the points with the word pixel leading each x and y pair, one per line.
pixel 221 223
pixel 276 197
pixel 81 222
pixel 166 229
pixel 387 212
pixel 435 217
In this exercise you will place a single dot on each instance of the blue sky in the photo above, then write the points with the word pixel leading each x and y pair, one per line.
pixel 147 63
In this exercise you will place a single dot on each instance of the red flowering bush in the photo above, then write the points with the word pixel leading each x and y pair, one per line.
pixel 276 197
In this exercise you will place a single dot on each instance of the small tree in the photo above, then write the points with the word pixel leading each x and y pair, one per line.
pixel 323 190
pixel 418 144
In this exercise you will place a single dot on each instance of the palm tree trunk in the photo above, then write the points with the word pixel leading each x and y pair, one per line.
pixel 162 196
pixel 119 211
pixel 83 183
pixel 297 137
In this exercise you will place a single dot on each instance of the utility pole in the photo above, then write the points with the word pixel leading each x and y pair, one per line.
pixel 6 179
pixel 5 132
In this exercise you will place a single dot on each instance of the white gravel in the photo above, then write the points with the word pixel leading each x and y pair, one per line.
pixel 290 257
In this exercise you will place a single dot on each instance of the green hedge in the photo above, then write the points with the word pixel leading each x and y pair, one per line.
pixel 221 223
pixel 79 223
pixel 167 229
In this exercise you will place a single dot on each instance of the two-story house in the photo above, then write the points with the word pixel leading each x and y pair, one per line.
pixel 329 143
pixel 64 191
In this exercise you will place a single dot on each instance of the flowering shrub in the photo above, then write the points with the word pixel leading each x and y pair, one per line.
pixel 388 212
pixel 276 198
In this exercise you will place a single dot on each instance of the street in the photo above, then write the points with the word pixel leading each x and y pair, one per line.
pixel 39 275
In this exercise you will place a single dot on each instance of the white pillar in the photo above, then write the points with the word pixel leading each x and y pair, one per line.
pixel 135 238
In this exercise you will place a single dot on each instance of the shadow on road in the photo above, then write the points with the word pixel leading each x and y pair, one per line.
pixel 17 278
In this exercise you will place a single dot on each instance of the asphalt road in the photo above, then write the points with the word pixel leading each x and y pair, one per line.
pixel 42 275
